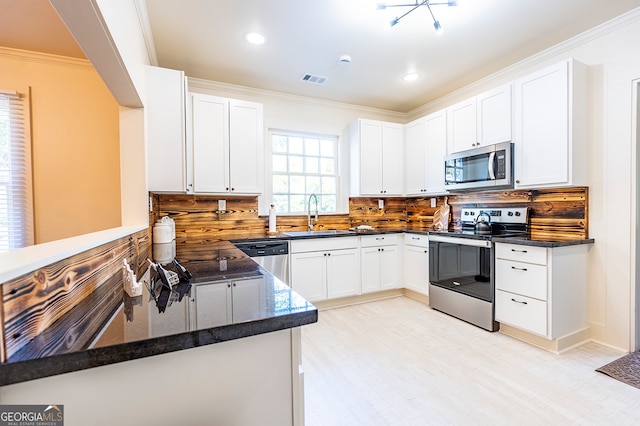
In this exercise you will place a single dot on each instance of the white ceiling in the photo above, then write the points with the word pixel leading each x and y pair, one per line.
pixel 205 39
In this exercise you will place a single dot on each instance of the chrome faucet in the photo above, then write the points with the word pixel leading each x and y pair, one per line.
pixel 309 225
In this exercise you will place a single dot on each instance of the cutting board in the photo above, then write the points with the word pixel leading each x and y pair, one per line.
pixel 441 217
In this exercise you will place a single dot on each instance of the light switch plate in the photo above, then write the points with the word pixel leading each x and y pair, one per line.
pixel 222 205
pixel 433 202
pixel 381 204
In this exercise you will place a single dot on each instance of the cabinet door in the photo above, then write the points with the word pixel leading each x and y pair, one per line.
pixel 212 304
pixel 542 126
pixel 392 159
pixel 248 299
pixel 370 269
pixel 342 273
pixel 461 122
pixel 165 123
pixel 416 269
pixel 494 116
pixel 246 141
pixel 210 143
pixel 370 157
pixel 308 275
pixel 436 134
pixel 388 260
pixel 415 157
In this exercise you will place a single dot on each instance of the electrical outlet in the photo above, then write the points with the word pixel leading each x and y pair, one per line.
pixel 381 204
pixel 433 202
pixel 150 203
pixel 222 205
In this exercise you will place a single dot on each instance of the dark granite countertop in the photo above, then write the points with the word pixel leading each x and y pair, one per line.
pixel 143 326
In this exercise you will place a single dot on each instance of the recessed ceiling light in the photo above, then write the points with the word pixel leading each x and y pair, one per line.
pixel 255 38
pixel 412 76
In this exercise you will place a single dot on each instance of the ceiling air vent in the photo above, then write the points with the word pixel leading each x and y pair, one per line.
pixel 315 79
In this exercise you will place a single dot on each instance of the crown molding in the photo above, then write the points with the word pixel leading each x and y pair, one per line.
pixel 559 49
pixel 197 83
pixel 145 27
pixel 30 56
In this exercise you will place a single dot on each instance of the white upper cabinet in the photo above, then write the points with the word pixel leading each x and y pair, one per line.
pixel 165 128
pixel 550 122
pixel 425 148
pixel 436 134
pixel 416 157
pixel 225 140
pixel 377 158
pixel 482 120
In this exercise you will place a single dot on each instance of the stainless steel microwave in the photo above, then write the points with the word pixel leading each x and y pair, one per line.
pixel 489 167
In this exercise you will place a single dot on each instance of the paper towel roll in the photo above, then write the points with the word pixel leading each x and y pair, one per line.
pixel 272 219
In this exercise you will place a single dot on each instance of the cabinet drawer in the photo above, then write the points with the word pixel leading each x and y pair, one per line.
pixel 416 240
pixel 522 278
pixel 378 240
pixel 522 312
pixel 322 244
pixel 521 253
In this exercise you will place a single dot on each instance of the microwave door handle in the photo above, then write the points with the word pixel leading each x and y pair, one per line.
pixel 492 157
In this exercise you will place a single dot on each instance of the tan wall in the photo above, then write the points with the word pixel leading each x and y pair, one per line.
pixel 75 139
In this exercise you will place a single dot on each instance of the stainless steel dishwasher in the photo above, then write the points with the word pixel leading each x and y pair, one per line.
pixel 271 255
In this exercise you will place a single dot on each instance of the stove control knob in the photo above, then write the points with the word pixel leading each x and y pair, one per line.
pixel 517 213
pixel 510 214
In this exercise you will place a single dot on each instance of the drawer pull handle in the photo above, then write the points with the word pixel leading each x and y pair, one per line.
pixel 518 251
pixel 519 269
pixel 456 283
pixel 518 301
pixel 379 238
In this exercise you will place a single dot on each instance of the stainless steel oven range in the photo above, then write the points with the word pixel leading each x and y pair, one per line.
pixel 461 263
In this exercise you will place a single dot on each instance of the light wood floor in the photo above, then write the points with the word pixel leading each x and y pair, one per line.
pixel 398 362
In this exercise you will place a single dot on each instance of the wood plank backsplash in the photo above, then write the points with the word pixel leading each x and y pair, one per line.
pixel 554 213
pixel 70 299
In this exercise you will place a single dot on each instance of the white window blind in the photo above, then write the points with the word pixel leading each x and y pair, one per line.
pixel 16 205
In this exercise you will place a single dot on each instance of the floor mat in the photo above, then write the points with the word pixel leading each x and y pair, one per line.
pixel 625 369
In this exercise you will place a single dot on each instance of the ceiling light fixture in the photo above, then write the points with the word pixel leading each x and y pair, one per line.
pixel 412 76
pixel 414 6
pixel 255 38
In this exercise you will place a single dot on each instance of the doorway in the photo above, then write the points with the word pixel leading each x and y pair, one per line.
pixel 635 299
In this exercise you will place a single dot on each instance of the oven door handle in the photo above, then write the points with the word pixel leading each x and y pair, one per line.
pixel 460 241
pixel 492 174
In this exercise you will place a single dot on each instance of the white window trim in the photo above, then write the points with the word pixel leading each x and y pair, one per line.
pixel 342 206
pixel 26 179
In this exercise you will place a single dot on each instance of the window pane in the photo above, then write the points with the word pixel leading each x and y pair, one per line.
pixel 281 203
pixel 298 204
pixel 280 184
pixel 327 148
pixel 296 146
pixel 303 164
pixel 313 184
pixel 328 185
pixel 280 163
pixel 327 166
pixel 296 164
pixel 311 147
pixel 297 185
pixel 311 165
pixel 279 143
pixel 328 203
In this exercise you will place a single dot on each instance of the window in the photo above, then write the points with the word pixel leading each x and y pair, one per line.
pixel 304 164
pixel 16 211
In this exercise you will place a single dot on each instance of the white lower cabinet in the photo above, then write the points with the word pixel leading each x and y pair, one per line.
pixel 224 302
pixel 542 290
pixel 379 262
pixel 325 268
pixel 416 263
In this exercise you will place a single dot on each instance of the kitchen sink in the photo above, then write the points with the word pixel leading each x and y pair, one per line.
pixel 319 232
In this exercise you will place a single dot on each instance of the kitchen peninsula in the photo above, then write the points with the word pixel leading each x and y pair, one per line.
pixel 152 346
